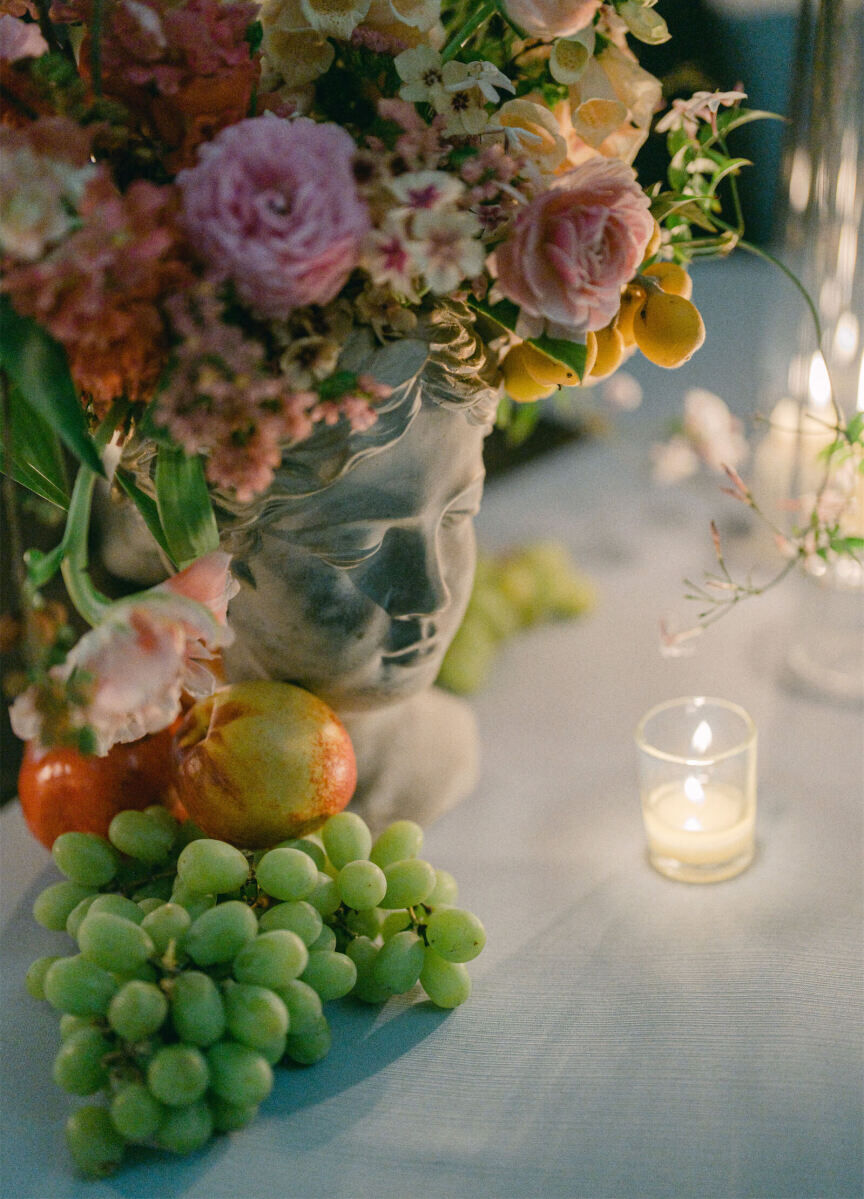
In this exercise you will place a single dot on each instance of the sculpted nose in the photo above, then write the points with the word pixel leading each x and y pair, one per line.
pixel 405 576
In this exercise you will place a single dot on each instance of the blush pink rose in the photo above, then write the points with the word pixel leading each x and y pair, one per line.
pixel 272 205
pixel 549 19
pixel 572 248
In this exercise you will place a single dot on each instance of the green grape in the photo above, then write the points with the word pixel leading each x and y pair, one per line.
pixel 95 1144
pixel 211 867
pixel 132 874
pixel 303 1005
pixel 137 1010
pixel 160 814
pixel 177 1074
pixel 307 845
pixel 155 888
pixel 34 979
pixel 146 973
pixel 70 1024
pixel 395 922
pixel 188 832
pixel 113 942
pixel 85 858
pixel 79 1067
pixel 140 836
pixel 363 954
pixel 364 924
pixel 197 1010
pixel 271 960
pixel 455 935
pixel 79 987
pixel 361 884
pixel 325 940
pixel 401 839
pixel 446 890
pixel 116 905
pixel 346 838
pixel 298 917
pixel 228 1117
pixel 169 922
pixel 149 904
pixel 76 917
pixel 287 874
pixel 399 962
pixel 257 1017
pixel 135 1113
pixel 331 974
pixel 312 1046
pixel 239 1074
pixel 408 883
pixel 220 933
pixel 326 896
pixel 194 903
pixel 185 1129
pixel 53 906
pixel 446 983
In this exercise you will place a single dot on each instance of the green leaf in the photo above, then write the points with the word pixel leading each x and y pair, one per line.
pixel 41 568
pixel 37 364
pixel 571 354
pixel 146 505
pixel 505 313
pixel 855 428
pixel 30 453
pixel 184 506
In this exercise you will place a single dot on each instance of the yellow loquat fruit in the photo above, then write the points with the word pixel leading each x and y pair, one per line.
pixel 520 384
pixel 668 329
pixel 671 277
pixel 610 352
pixel 631 301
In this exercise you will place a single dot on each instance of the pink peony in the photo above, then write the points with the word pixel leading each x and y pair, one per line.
pixel 149 649
pixel 549 19
pixel 572 248
pixel 272 205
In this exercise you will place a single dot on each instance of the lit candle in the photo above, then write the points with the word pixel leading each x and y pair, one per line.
pixel 699 823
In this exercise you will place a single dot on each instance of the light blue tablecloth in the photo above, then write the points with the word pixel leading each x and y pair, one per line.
pixel 628 1037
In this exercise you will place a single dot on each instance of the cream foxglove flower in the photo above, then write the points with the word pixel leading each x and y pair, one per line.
pixel 293 51
pixel 571 55
pixel 645 24
pixel 335 18
pixel 532 130
pixel 418 14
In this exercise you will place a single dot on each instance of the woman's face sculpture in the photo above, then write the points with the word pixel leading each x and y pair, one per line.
pixel 357 590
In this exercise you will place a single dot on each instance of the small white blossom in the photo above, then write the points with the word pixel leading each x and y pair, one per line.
pixel 702 106
pixel 420 190
pixel 448 248
pixel 421 72
pixel 460 76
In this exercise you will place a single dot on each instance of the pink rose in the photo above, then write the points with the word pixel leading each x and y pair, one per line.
pixel 149 649
pixel 272 205
pixel 20 39
pixel 572 248
pixel 549 19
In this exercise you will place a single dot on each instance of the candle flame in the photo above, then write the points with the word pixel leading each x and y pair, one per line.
pixel 693 789
pixel 819 383
pixel 702 737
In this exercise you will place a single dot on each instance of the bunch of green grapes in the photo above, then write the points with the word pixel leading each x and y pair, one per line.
pixel 513 591
pixel 200 966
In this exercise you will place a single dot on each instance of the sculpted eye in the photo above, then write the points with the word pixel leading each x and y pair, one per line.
pixel 344 560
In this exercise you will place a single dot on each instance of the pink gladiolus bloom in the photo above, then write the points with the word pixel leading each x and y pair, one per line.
pixel 149 650
pixel 572 248
pixel 549 19
pixel 272 205
pixel 20 39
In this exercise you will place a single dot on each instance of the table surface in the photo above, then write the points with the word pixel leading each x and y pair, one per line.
pixel 628 1036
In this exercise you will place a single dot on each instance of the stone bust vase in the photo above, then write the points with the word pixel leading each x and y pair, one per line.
pixel 356 566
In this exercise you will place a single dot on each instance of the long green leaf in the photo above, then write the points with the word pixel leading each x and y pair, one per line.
pixel 183 503
pixel 37 364
pixel 572 354
pixel 146 505
pixel 505 313
pixel 30 453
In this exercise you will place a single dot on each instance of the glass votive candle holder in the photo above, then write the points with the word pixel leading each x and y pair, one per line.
pixel 697 777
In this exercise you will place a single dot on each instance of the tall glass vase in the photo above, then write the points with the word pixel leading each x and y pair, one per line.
pixel 823 243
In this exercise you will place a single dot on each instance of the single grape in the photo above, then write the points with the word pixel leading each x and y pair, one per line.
pixel 197 1010
pixel 395 922
pixel 399 962
pixel 455 935
pixel 169 922
pixel 303 1005
pixel 117 905
pixel 113 942
pixel 79 1067
pixel 185 1129
pixel 135 1113
pixel 52 907
pixel 76 917
pixel 140 836
pixel 194 903
pixel 160 814
pixel 298 917
pixel 366 923
pixel 312 1046
pixel 137 1010
pixel 325 896
pixel 211 867
pixel 257 1017
pixel 271 960
pixel 146 973
pixel 239 1074
pixel 326 939
pixel 446 890
pixel 85 858
pixel 408 883
pixel 34 979
pixel 361 884
pixel 331 974
pixel 307 845
pixel 363 954
pixel 220 933
pixel 95 1144
pixel 70 1024
pixel 159 887
pixel 287 874
pixel 177 1074
pixel 400 840
pixel 228 1117
pixel 149 904
pixel 79 987
pixel 446 983
pixel 346 838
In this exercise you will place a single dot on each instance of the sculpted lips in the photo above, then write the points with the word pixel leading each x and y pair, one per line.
pixel 410 654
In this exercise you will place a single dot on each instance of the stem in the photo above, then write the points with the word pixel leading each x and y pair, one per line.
pixel 89 602
pixel 461 36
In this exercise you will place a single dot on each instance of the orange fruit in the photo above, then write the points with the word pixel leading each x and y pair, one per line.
pixel 671 277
